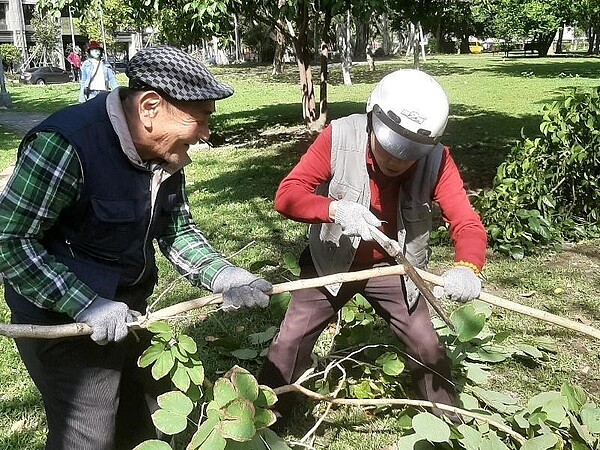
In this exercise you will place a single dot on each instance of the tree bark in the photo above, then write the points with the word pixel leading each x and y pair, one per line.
pixel 559 41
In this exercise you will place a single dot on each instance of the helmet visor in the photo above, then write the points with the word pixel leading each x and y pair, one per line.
pixel 397 140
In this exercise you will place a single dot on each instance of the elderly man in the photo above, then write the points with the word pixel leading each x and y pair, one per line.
pixel 94 185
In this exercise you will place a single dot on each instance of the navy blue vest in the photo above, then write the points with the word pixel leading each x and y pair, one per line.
pixel 106 237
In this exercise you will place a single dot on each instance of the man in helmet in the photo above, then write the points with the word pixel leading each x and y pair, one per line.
pixel 384 168
pixel 96 75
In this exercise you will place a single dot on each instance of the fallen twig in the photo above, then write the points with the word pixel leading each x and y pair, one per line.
pixel 398 401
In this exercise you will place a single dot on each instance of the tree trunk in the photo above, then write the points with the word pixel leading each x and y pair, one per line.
pixel 559 41
pixel 464 44
pixel 324 78
pixel 304 59
pixel 362 37
pixel 347 61
pixel 280 43
pixel 590 35
pixel 596 41
pixel 384 31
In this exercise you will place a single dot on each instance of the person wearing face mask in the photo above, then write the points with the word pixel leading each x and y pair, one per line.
pixel 96 75
pixel 95 187
pixel 385 169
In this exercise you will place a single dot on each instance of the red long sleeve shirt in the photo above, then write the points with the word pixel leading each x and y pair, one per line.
pixel 296 199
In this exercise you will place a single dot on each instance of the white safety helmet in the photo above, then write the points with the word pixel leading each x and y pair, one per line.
pixel 408 112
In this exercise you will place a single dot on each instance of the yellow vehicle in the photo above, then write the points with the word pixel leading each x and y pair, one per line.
pixel 475 46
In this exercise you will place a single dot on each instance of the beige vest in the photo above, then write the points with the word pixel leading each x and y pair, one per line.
pixel 332 251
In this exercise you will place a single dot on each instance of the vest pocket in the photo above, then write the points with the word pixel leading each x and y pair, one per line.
pixel 111 224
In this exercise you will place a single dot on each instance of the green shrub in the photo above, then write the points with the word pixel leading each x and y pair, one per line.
pixel 547 190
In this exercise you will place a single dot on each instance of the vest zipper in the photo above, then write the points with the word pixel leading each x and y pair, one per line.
pixel 152 206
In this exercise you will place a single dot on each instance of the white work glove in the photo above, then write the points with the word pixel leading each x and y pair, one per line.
pixel 461 284
pixel 355 219
pixel 412 292
pixel 241 289
pixel 108 320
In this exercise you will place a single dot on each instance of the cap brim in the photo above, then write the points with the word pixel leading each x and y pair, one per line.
pixel 397 145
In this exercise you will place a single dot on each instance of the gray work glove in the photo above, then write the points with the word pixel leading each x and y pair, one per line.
pixel 241 289
pixel 461 284
pixel 355 219
pixel 108 320
pixel 412 292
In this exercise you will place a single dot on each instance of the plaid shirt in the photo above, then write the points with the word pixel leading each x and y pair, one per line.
pixel 46 180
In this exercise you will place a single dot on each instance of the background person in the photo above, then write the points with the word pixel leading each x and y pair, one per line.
pixel 75 61
pixel 95 184
pixel 384 168
pixel 96 75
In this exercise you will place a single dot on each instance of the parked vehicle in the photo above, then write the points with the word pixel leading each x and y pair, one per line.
pixel 117 66
pixel 45 75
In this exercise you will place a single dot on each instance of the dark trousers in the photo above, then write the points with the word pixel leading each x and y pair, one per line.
pixel 311 310
pixel 96 398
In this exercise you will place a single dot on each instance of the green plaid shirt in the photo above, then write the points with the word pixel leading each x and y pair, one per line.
pixel 46 180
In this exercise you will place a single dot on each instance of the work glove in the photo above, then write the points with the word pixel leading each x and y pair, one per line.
pixel 108 320
pixel 461 284
pixel 412 292
pixel 355 219
pixel 241 289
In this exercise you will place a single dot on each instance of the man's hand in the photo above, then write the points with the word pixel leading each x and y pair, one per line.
pixel 241 289
pixel 461 284
pixel 108 320
pixel 355 219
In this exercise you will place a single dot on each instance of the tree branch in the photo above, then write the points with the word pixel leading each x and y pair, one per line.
pixel 395 402
pixel 56 331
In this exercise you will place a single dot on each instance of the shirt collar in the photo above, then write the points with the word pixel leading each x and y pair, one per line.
pixel 116 115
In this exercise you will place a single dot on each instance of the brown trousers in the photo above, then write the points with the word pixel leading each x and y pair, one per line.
pixel 311 310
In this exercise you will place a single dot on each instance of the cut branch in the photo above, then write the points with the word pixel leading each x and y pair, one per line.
pixel 78 329
pixel 398 401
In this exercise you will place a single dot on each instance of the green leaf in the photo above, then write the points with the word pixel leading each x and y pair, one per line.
pixel 214 441
pixel 467 322
pixel 244 353
pixel 160 327
pixel 163 365
pixel 196 373
pixel 188 344
pixel 590 417
pixel 530 350
pixel 153 444
pixel 431 427
pixel 203 432
pixel 237 420
pixel 171 418
pixel 362 390
pixel 273 441
pixel 266 397
pixel 471 439
pixel 391 364
pixel 224 392
pixel 290 262
pixel 175 401
pixel 502 403
pixel 180 377
pixel 476 373
pixel 151 354
pixel 245 384
pixel 543 442
pixel 263 337
pixel 264 418
pixel 278 303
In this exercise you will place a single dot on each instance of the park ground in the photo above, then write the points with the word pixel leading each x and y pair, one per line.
pixel 259 136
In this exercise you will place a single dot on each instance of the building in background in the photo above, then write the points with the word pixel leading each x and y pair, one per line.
pixel 15 28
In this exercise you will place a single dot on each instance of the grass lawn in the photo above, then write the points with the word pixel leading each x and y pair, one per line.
pixel 259 137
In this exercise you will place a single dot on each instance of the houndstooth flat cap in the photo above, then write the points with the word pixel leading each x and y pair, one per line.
pixel 175 73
